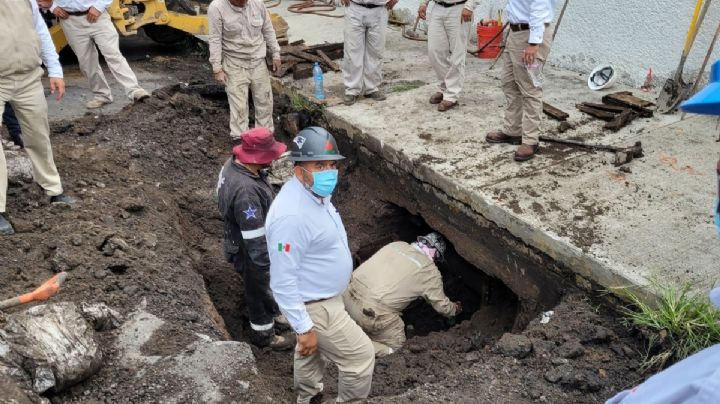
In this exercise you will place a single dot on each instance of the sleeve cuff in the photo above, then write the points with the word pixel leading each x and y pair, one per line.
pixel 304 325
pixel 53 7
pixel 216 68
pixel 536 35
pixel 55 75
pixel 276 55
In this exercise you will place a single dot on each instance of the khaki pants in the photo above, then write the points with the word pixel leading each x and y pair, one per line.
pixel 524 101
pixel 25 93
pixel 385 328
pixel 364 47
pixel 447 46
pixel 342 342
pixel 83 37
pixel 254 75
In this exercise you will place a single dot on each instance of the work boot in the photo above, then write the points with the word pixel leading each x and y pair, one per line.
pixel 280 343
pixel 525 152
pixel 436 98
pixel 97 102
pixel 376 95
pixel 139 95
pixel 349 99
pixel 281 323
pixel 446 105
pixel 236 141
pixel 17 139
pixel 6 228
pixel 320 398
pixel 500 137
pixel 63 199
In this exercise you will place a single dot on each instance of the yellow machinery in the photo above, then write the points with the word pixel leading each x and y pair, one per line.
pixel 164 22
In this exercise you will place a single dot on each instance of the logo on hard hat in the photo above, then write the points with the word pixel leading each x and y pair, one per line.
pixel 299 141
pixel 329 149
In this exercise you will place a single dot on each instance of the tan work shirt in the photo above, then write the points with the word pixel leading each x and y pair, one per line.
pixel 20 44
pixel 398 274
pixel 240 33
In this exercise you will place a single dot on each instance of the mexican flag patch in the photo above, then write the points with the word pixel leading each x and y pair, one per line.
pixel 283 247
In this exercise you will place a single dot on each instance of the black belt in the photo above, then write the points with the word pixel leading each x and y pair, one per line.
pixel 317 301
pixel 446 5
pixel 519 27
pixel 368 5
pixel 77 13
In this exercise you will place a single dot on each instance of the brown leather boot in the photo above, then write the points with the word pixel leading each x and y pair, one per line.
pixel 525 152
pixel 446 105
pixel 436 98
pixel 500 137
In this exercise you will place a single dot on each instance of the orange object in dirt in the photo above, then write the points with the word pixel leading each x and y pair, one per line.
pixel 42 293
pixel 489 36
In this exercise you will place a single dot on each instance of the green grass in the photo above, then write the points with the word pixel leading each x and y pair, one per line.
pixel 406 86
pixel 299 103
pixel 679 324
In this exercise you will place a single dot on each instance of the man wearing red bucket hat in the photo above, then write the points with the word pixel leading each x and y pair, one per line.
pixel 526 48
pixel 244 197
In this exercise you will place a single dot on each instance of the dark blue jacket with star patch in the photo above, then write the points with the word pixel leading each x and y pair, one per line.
pixel 244 199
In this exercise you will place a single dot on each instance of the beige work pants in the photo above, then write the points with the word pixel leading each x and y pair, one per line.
pixel 83 37
pixel 342 342
pixel 25 93
pixel 524 101
pixel 447 46
pixel 364 47
pixel 385 329
pixel 241 76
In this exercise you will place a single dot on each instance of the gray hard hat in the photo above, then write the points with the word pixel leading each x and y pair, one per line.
pixel 314 144
pixel 436 241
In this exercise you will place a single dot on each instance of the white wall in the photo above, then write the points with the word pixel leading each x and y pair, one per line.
pixel 633 35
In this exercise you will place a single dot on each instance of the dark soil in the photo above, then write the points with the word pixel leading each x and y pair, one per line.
pixel 146 228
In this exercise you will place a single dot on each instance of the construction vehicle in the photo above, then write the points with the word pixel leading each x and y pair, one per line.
pixel 165 22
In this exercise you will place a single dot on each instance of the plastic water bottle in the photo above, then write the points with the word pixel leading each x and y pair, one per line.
pixel 535 74
pixel 318 77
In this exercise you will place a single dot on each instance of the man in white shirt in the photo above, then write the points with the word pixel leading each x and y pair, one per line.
pixel 528 43
pixel 87 24
pixel 310 267
pixel 25 44
pixel 448 29
pixel 365 26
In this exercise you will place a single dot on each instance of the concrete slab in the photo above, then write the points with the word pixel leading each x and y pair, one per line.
pixel 613 227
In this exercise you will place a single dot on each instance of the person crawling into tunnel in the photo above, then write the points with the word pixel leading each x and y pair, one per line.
pixel 384 285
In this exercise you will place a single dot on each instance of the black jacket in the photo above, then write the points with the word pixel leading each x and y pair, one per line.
pixel 244 199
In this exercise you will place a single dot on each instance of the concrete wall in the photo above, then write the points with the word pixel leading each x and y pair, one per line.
pixel 633 35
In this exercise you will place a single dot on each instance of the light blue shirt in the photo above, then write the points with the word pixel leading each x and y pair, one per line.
pixel 309 254
pixel 535 13
pixel 81 5
pixel 47 47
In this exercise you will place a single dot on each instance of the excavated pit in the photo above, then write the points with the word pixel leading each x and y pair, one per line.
pixel 145 190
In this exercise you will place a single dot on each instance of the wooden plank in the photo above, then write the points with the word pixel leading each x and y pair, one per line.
pixel 329 49
pixel 621 120
pixel 628 100
pixel 328 62
pixel 285 68
pixel 616 109
pixel 554 112
pixel 298 42
pixel 302 71
pixel 308 57
pixel 597 113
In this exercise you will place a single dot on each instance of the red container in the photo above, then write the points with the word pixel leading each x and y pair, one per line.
pixel 485 34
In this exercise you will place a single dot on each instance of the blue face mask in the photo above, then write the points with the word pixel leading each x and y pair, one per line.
pixel 324 182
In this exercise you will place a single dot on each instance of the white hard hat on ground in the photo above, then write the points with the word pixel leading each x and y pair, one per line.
pixel 602 77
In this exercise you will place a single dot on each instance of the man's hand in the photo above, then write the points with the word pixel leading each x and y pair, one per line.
pixel 530 54
pixel 93 15
pixel 221 77
pixel 46 4
pixel 57 87
pixel 60 13
pixel 458 308
pixel 390 4
pixel 345 2
pixel 277 63
pixel 466 15
pixel 306 343
pixel 422 11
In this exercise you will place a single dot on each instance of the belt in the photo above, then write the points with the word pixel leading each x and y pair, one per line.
pixel 368 5
pixel 446 5
pixel 317 301
pixel 519 27
pixel 77 13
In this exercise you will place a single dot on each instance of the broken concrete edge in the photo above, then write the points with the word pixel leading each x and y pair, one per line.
pixel 590 273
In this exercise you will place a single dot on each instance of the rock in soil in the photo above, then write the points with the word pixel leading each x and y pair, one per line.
pixel 516 346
